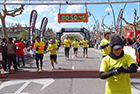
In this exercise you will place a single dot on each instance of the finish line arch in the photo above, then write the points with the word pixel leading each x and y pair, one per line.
pixel 73 31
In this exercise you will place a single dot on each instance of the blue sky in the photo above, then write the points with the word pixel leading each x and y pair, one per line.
pixel 51 12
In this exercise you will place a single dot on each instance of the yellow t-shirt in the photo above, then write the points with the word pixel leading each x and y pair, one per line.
pixel 57 42
pixel 75 44
pixel 66 42
pixel 107 49
pixel 84 42
pixel 53 52
pixel 117 84
pixel 40 44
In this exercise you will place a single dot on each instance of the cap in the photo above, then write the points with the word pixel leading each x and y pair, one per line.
pixel 117 46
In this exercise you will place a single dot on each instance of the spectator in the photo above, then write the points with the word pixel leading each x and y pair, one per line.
pixel 123 40
pixel 19 53
pixel 4 54
pixel 11 52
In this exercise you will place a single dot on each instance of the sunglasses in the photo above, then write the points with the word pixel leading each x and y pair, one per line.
pixel 117 49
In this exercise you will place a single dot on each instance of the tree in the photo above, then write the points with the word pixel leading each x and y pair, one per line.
pixel 135 23
pixel 49 34
pixel 12 13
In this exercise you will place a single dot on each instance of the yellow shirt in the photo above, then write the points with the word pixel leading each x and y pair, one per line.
pixel 75 44
pixel 53 52
pixel 84 42
pixel 107 49
pixel 117 84
pixel 66 42
pixel 40 44
pixel 57 42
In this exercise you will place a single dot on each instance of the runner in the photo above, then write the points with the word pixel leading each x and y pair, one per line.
pixel 105 44
pixel 85 47
pixel 57 41
pixel 75 47
pixel 116 67
pixel 39 47
pixel 53 53
pixel 67 43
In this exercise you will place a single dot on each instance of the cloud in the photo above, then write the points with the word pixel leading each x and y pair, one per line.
pixel 55 26
pixel 75 8
pixel 9 22
pixel 108 9
pixel 132 9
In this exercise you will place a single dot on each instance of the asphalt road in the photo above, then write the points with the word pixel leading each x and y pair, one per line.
pixel 69 85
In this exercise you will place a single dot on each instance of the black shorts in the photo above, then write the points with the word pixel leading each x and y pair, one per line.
pixel 75 49
pixel 53 57
pixel 39 56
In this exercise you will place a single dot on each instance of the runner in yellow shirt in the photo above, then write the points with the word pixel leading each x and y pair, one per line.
pixel 57 42
pixel 75 47
pixel 53 52
pixel 105 44
pixel 67 43
pixel 116 67
pixel 39 47
pixel 85 47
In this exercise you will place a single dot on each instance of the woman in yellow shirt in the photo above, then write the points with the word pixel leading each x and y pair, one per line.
pixel 116 67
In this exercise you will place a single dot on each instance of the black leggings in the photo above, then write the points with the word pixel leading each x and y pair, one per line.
pixel 67 49
pixel 39 57
pixel 12 58
pixel 85 50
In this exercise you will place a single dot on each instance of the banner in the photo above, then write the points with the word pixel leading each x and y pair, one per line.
pixel 118 20
pixel 33 18
pixel 43 27
pixel 94 29
pixel 98 28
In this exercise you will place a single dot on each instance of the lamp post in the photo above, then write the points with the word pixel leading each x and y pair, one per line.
pixel 103 22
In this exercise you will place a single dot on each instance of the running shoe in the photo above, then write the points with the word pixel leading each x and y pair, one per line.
pixel 53 68
pixel 83 55
pixel 40 69
pixel 86 56
pixel 37 70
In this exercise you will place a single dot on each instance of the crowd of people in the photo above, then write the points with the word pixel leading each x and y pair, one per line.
pixel 18 47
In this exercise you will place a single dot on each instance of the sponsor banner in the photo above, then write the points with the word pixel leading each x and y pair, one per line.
pixel 94 28
pixel 43 27
pixel 33 18
pixel 118 20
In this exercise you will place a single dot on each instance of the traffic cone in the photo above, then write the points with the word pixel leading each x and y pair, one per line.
pixel 2 73
pixel 12 69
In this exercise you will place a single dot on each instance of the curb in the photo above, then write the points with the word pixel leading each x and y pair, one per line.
pixel 58 74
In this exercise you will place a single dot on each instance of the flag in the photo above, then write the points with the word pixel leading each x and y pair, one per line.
pixel 118 20
pixel 43 27
pixel 33 18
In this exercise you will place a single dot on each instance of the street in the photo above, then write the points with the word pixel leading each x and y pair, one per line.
pixel 66 78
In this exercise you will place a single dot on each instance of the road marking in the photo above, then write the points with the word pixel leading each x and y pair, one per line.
pixel 45 82
pixel 135 91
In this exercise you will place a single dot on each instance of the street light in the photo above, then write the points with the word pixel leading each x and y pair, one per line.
pixel 103 22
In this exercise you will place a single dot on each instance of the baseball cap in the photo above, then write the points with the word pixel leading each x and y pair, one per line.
pixel 117 46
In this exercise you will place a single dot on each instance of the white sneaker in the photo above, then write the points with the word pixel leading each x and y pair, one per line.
pixel 53 68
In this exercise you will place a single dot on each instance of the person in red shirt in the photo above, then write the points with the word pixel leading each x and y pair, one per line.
pixel 19 47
